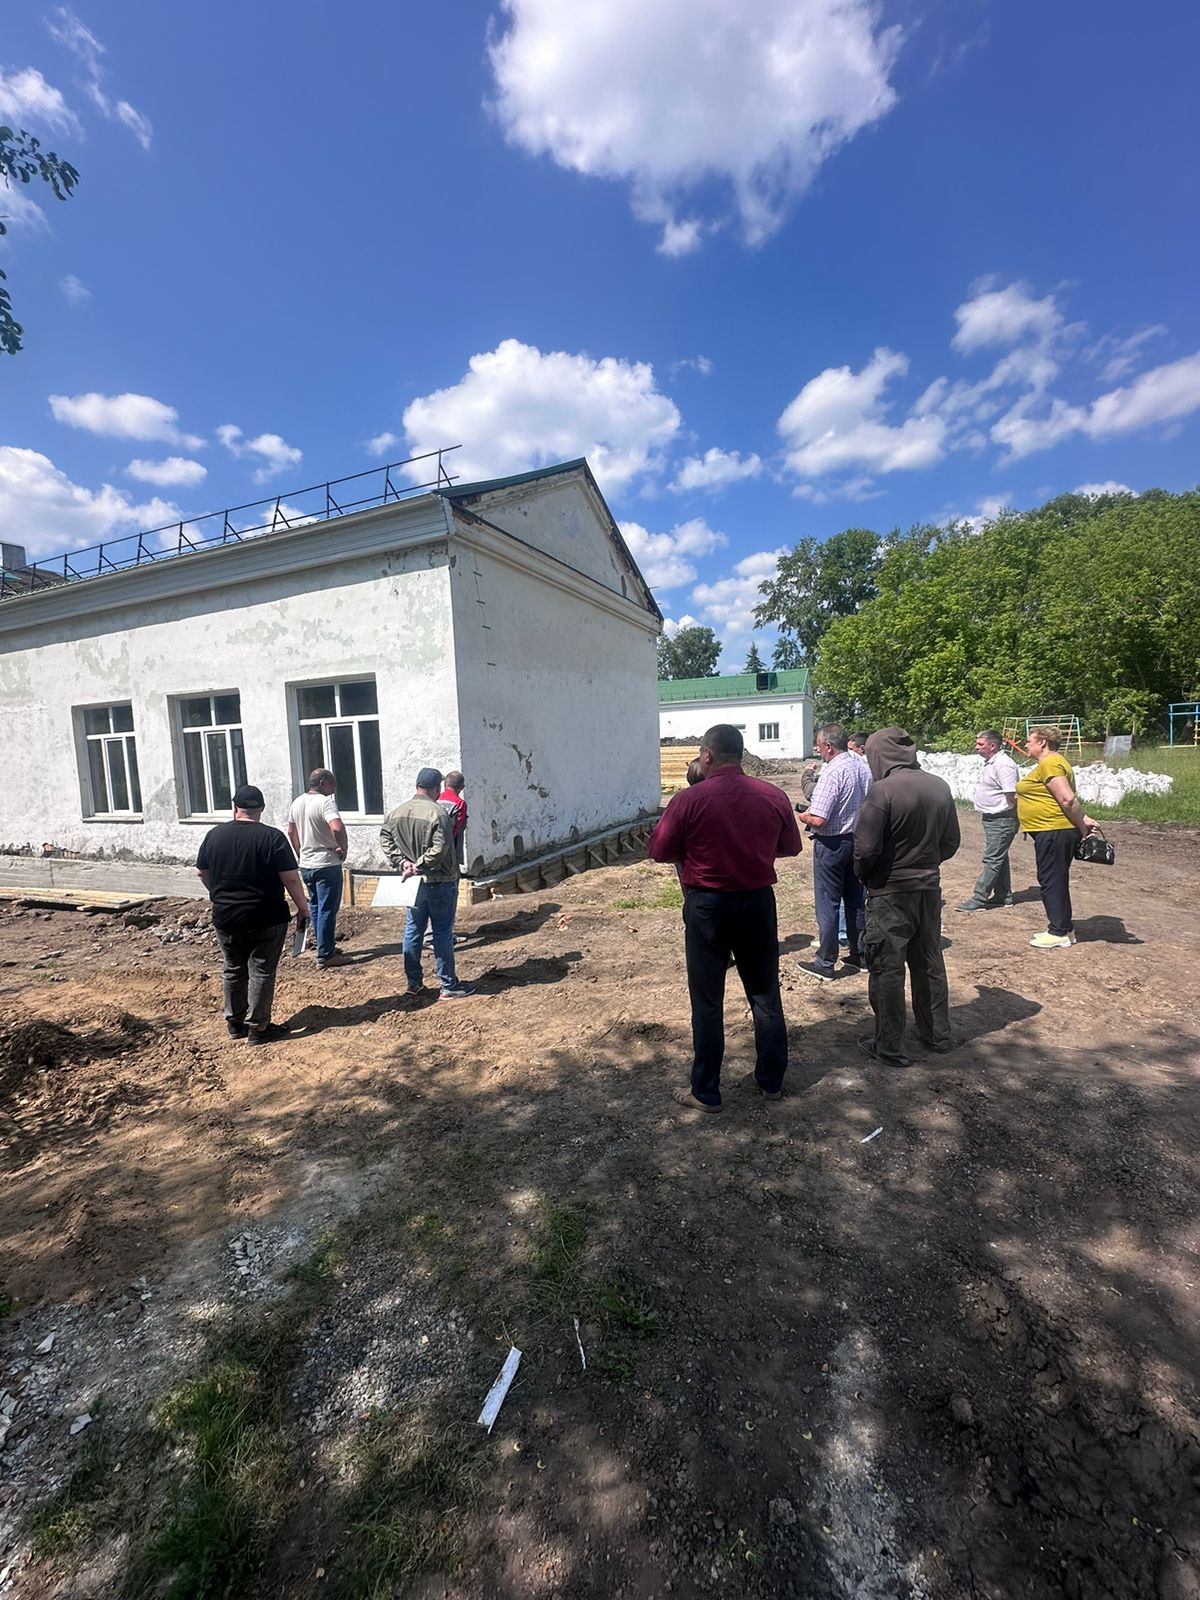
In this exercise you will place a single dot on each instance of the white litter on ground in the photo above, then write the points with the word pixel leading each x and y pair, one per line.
pixel 496 1394
pixel 1096 784
pixel 579 1342
pixel 871 1136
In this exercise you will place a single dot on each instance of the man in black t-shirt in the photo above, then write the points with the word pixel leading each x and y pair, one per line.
pixel 246 866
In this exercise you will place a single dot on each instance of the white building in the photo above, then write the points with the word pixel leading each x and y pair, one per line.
pixel 502 628
pixel 772 709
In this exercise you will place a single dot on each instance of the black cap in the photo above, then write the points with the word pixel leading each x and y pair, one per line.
pixel 249 798
pixel 429 778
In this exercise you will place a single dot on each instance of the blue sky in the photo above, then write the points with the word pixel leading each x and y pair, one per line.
pixel 853 265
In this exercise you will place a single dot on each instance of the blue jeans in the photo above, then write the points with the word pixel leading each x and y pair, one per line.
pixel 436 903
pixel 834 887
pixel 324 886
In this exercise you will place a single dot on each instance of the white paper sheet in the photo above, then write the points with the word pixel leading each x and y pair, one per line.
pixel 398 891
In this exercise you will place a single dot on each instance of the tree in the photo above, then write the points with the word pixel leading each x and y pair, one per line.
pixel 753 660
pixel 692 653
pixel 21 160
pixel 814 585
pixel 1084 607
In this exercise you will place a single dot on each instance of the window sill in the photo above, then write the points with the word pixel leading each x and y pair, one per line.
pixel 131 816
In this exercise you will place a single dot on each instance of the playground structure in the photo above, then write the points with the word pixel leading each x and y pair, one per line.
pixel 1183 713
pixel 1016 730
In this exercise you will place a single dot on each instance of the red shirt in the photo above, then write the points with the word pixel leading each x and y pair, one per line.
pixel 726 832
pixel 449 798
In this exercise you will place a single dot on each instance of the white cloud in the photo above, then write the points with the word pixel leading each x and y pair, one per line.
pixel 75 290
pixel 1121 355
pixel 714 469
pixel 517 408
pixel 671 96
pixel 273 454
pixel 663 557
pixel 382 443
pixel 1163 394
pixel 728 604
pixel 837 422
pixel 17 210
pixel 26 98
pixel 1004 317
pixel 47 513
pixel 123 416
pixel 1097 491
pixel 170 472
pixel 71 33
pixel 139 125
pixel 700 364
pixel 671 628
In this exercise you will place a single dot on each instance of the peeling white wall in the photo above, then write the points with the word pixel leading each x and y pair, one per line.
pixel 386 616
pixel 558 710
pixel 686 719
pixel 539 683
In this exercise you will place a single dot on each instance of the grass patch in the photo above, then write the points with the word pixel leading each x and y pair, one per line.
pixel 558 1276
pixel 625 1304
pixel 72 1517
pixel 320 1267
pixel 1182 765
pixel 668 898
pixel 416 1484
pixel 230 1455
pixel 7 1306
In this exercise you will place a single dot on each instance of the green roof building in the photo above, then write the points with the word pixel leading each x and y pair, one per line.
pixel 772 709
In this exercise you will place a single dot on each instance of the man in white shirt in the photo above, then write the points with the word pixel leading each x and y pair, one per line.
pixel 996 803
pixel 318 837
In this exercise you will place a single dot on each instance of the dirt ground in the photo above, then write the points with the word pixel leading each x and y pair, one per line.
pixel 927 1333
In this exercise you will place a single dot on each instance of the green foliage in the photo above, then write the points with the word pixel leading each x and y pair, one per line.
pixel 692 653
pixel 814 584
pixel 22 159
pixel 1081 606
pixel 753 660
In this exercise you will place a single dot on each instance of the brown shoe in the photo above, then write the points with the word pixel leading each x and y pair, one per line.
pixel 685 1097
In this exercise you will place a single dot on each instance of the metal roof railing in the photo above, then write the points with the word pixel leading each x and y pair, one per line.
pixel 256 519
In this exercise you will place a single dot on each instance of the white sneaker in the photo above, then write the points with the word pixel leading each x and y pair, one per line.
pixel 1053 941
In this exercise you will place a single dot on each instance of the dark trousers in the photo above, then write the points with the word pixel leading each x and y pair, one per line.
pixel 251 960
pixel 720 924
pixel 835 887
pixel 905 929
pixel 1055 850
pixel 995 876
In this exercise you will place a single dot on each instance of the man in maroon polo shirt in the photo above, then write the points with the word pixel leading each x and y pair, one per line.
pixel 725 833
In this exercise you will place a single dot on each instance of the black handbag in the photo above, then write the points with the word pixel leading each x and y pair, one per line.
pixel 1095 847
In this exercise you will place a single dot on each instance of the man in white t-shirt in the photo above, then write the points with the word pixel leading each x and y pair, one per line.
pixel 318 837
pixel 996 804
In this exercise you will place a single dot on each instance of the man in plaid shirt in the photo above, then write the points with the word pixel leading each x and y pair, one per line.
pixel 832 815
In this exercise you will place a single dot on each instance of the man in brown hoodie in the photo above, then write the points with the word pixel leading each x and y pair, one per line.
pixel 907 827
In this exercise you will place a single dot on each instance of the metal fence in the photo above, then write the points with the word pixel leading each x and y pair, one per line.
pixel 257 519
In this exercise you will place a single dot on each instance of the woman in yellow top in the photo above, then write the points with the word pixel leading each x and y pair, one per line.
pixel 1049 811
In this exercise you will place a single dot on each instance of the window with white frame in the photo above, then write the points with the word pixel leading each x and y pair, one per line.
pixel 111 784
pixel 214 755
pixel 768 731
pixel 338 728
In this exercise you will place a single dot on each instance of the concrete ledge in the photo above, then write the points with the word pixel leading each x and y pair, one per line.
pixel 111 877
